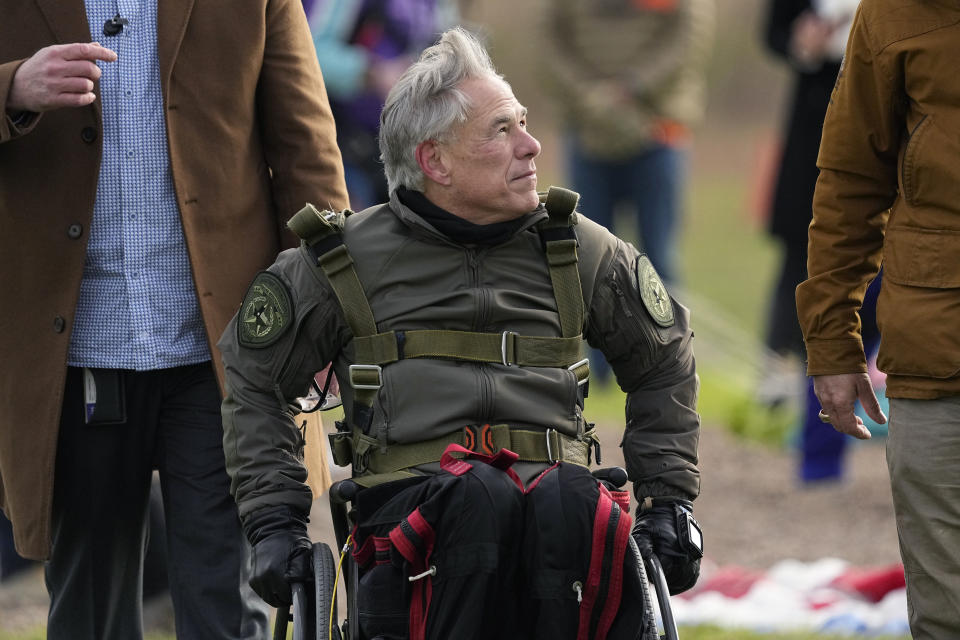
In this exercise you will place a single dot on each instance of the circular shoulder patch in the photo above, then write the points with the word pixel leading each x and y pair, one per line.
pixel 654 293
pixel 266 311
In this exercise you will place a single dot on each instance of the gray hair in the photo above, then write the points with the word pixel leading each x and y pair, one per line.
pixel 425 103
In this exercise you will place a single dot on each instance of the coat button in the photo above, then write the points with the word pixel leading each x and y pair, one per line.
pixel 59 324
pixel 88 134
pixel 74 231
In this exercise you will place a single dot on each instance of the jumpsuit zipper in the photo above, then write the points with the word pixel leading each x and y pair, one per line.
pixel 485 391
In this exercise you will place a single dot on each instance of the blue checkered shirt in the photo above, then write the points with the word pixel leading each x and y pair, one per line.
pixel 138 306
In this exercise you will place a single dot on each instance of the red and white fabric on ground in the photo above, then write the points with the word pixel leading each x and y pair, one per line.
pixel 825 596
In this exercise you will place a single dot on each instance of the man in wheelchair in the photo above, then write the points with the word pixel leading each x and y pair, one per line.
pixel 454 316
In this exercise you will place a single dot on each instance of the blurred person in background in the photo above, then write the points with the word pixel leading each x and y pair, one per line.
pixel 628 78
pixel 363 46
pixel 889 191
pixel 810 37
pixel 149 155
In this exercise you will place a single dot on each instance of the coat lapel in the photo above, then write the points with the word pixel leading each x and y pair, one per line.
pixel 172 18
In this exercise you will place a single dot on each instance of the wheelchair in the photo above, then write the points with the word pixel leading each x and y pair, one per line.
pixel 314 616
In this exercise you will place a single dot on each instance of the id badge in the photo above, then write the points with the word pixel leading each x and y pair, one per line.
pixel 103 397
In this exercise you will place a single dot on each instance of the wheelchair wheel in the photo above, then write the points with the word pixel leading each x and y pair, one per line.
pixel 295 614
pixel 311 616
pixel 325 573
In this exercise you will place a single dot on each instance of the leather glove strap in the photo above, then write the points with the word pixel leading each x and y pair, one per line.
pixel 268 521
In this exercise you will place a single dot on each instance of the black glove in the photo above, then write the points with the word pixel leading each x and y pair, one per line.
pixel 668 529
pixel 281 553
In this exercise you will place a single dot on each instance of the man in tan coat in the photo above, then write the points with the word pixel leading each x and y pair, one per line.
pixel 143 182
pixel 889 190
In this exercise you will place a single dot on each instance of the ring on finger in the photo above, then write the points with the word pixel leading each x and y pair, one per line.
pixel 823 417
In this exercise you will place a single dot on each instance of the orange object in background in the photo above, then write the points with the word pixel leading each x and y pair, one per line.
pixel 655 5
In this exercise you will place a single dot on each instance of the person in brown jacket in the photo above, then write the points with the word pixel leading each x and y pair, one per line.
pixel 144 180
pixel 889 191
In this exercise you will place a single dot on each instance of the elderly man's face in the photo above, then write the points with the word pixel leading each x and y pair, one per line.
pixel 493 175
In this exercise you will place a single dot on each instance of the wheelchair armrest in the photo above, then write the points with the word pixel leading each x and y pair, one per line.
pixel 343 491
pixel 615 477
pixel 340 493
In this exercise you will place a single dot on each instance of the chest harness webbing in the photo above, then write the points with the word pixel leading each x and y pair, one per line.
pixel 321 232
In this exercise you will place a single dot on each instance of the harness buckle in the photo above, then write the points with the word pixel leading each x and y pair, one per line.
pixel 550 456
pixel 361 462
pixel 577 365
pixel 504 341
pixel 364 368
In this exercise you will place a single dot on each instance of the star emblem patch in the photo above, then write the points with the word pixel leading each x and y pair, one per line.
pixel 654 293
pixel 265 314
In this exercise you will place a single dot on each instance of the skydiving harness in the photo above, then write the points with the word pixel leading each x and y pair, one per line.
pixel 373 460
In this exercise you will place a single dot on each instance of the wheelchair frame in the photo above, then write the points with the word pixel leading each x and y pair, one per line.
pixel 315 618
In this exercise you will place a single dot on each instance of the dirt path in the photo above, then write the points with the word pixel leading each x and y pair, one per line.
pixel 754 512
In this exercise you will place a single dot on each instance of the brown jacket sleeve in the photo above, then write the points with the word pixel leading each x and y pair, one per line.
pixel 299 134
pixel 856 187
pixel 9 130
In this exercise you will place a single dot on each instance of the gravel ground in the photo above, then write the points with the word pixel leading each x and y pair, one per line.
pixel 752 510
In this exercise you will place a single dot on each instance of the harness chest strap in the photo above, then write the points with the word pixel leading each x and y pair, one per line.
pixel 321 234
pixel 560 246
pixel 506 348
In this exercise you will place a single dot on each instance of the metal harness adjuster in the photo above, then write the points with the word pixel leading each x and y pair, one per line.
pixel 362 368
pixel 504 342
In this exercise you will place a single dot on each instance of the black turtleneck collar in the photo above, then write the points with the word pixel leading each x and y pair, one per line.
pixel 456 228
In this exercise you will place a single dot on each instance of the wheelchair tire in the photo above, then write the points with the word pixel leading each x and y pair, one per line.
pixel 325 574
pixel 649 630
pixel 298 614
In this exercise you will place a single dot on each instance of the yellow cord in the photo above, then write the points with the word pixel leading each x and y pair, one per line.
pixel 336 581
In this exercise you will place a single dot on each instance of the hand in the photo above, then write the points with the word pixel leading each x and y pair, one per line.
pixel 809 39
pixel 837 394
pixel 278 561
pixel 281 553
pixel 61 75
pixel 657 531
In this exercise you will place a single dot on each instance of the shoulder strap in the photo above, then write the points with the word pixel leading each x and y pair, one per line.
pixel 314 226
pixel 560 246
pixel 561 204
pixel 322 233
